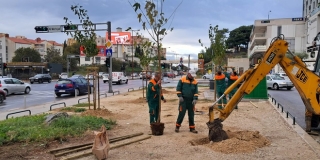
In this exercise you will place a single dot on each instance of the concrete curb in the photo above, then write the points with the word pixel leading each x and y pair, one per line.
pixel 313 144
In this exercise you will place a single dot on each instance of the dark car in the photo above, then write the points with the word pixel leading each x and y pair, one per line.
pixel 40 78
pixel 72 86
pixel 2 96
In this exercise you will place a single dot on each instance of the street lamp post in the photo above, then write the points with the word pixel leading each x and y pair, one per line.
pixel 132 48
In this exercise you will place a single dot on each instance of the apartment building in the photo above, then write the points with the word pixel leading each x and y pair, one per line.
pixel 9 45
pixel 123 47
pixel 265 30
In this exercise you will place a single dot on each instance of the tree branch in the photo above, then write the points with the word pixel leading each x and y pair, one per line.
pixel 152 36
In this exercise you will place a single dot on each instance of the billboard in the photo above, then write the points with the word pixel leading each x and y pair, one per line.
pixel 120 37
pixel 101 53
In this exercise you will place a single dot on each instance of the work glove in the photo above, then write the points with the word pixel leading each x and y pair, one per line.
pixel 181 99
pixel 194 102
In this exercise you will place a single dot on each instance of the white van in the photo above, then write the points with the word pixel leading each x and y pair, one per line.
pixel 119 78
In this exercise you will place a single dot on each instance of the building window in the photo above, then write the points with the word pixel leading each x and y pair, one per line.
pixel 6 49
pixel 279 30
pixel 0 46
pixel 87 58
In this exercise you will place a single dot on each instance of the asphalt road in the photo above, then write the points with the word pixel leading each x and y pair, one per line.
pixel 291 101
pixel 44 93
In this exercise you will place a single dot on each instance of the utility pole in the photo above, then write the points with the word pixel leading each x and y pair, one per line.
pixel 110 68
pixel 132 48
pixel 189 63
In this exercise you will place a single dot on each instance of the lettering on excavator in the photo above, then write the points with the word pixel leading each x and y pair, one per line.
pixel 270 58
pixel 302 76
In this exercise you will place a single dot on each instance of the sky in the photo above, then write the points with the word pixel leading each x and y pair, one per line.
pixel 190 21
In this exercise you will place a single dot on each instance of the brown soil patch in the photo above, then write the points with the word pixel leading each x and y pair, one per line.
pixel 139 100
pixel 97 112
pixel 241 126
pixel 164 91
pixel 238 142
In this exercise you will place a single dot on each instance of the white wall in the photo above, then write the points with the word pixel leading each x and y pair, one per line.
pixel 3 49
pixel 18 45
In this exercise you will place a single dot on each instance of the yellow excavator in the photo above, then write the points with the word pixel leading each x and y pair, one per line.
pixel 306 82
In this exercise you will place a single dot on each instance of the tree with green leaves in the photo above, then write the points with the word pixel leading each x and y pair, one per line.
pixel 153 16
pixel 22 53
pixel 51 53
pixel 217 47
pixel 239 37
pixel 86 38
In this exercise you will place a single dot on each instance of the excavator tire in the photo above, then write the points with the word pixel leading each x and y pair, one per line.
pixel 315 121
pixel 216 133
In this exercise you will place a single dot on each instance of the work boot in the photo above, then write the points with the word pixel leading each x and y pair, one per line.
pixel 193 130
pixel 177 129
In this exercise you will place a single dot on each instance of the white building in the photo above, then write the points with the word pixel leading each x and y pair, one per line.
pixel 265 30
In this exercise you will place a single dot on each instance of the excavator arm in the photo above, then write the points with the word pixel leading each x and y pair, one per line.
pixel 305 81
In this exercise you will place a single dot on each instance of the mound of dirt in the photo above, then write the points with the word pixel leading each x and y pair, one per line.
pixel 238 142
pixel 164 91
pixel 139 100
pixel 98 112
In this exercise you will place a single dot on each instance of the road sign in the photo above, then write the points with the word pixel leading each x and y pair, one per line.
pixel 54 28
pixel 109 52
pixel 48 29
pixel 108 44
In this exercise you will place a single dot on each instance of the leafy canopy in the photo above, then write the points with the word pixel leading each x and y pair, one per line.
pixel 32 54
pixel 239 37
pixel 87 37
pixel 217 47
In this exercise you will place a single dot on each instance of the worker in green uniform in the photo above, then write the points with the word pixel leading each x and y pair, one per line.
pixel 231 79
pixel 154 90
pixel 221 87
pixel 187 91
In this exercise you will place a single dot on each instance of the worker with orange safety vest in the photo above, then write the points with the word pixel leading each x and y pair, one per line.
pixel 221 87
pixel 231 79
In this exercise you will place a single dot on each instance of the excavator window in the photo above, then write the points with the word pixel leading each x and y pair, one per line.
pixel 317 64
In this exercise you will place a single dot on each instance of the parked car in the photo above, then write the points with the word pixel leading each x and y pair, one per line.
pixel 40 78
pixel 13 85
pixel 277 82
pixel 2 96
pixel 207 76
pixel 147 76
pixel 90 76
pixel 77 76
pixel 63 75
pixel 105 78
pixel 72 86
pixel 101 73
pixel 119 77
pixel 284 75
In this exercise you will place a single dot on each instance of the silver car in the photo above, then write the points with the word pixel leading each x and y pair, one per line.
pixel 277 82
pixel 13 85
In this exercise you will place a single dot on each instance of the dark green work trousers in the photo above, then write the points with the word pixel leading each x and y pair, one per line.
pixel 153 111
pixel 220 91
pixel 183 107
pixel 231 94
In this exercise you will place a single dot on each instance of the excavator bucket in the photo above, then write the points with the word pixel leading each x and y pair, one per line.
pixel 216 133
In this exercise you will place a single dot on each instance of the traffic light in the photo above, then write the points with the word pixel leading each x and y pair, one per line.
pixel 4 65
pixel 107 62
pixel 70 27
pixel 163 65
pixel 42 29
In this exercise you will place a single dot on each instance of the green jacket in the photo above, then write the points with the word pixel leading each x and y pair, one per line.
pixel 154 91
pixel 221 82
pixel 187 88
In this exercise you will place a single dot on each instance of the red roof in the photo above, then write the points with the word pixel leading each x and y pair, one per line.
pixel 55 43
pixel 19 40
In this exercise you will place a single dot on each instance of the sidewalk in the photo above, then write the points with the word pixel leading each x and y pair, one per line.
pixel 43 108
